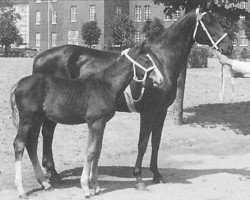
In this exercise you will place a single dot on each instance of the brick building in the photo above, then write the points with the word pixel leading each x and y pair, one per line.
pixel 67 16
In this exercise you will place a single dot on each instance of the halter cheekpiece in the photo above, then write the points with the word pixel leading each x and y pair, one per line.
pixel 199 21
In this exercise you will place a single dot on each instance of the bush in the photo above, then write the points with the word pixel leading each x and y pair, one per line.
pixel 198 57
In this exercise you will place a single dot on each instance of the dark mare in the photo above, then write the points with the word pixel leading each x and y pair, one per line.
pixel 37 98
pixel 172 49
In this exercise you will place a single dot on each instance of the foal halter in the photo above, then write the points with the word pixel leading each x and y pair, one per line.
pixel 136 64
pixel 199 21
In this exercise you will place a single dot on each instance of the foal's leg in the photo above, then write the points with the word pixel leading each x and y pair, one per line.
pixel 156 139
pixel 48 129
pixel 145 130
pixel 92 152
pixel 31 146
pixel 94 167
pixel 19 145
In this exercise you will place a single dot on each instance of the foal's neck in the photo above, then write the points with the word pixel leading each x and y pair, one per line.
pixel 118 75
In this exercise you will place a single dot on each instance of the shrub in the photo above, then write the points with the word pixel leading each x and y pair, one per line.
pixel 198 57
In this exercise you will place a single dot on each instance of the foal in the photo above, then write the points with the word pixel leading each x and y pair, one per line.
pixel 66 101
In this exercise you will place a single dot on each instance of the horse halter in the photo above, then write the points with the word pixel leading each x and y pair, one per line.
pixel 154 67
pixel 199 21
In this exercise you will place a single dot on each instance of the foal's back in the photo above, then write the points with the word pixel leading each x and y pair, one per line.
pixel 63 100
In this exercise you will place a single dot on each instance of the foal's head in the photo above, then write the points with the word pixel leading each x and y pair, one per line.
pixel 143 64
pixel 210 32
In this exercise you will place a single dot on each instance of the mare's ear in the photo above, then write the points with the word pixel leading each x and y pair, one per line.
pixel 141 47
pixel 206 5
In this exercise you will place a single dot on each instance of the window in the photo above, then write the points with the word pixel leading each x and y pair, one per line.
pixel 38 17
pixel 235 42
pixel 243 5
pixel 38 39
pixel 243 39
pixel 166 17
pixel 118 10
pixel 73 13
pixel 146 12
pixel 54 39
pixel 137 36
pixel 137 13
pixel 73 37
pixel 92 13
pixel 54 17
pixel 177 15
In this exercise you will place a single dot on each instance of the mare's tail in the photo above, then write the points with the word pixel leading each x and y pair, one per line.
pixel 15 113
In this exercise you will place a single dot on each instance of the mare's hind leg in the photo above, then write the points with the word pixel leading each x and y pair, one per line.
pixel 92 154
pixel 146 127
pixel 48 129
pixel 156 139
pixel 31 146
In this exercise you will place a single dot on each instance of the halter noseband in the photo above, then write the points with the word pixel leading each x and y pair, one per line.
pixel 125 53
pixel 199 21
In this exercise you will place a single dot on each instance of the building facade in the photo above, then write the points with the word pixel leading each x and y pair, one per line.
pixel 22 8
pixel 50 23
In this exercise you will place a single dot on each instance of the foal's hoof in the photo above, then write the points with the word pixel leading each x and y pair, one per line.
pixel 87 195
pixel 158 180
pixel 23 196
pixel 47 186
pixel 141 186
pixel 97 190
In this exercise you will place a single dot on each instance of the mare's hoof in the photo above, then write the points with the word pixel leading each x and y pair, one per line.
pixel 53 178
pixel 141 186
pixel 23 196
pixel 158 180
pixel 87 196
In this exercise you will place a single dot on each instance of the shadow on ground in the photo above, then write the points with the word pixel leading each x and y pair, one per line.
pixel 71 178
pixel 233 115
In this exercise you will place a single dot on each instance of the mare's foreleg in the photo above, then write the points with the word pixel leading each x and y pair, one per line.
pixel 92 154
pixel 145 130
pixel 155 142
pixel 48 129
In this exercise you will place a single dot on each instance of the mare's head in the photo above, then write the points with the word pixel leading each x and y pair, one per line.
pixel 143 64
pixel 208 31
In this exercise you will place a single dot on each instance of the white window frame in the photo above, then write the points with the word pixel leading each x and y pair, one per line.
pixel 243 39
pixel 147 10
pixel 138 13
pixel 54 17
pixel 73 37
pixel 38 17
pixel 38 39
pixel 137 36
pixel 177 15
pixel 53 39
pixel 92 13
pixel 73 13
pixel 243 5
pixel 118 10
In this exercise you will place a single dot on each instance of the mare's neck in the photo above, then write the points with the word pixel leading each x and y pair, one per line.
pixel 176 42
pixel 118 75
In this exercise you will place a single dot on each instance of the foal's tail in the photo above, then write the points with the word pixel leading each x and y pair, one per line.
pixel 15 113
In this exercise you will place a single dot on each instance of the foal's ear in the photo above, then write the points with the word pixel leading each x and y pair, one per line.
pixel 141 47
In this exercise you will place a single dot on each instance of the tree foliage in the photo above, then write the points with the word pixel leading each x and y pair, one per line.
pixel 153 28
pixel 9 33
pixel 123 31
pixel 226 14
pixel 91 33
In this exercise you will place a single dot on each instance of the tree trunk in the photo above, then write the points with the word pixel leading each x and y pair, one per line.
pixel 5 51
pixel 178 103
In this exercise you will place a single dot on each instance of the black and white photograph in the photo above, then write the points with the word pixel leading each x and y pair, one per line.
pixel 125 99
